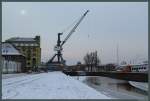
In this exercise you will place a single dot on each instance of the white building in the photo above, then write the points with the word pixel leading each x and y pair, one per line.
pixel 12 59
pixel 139 68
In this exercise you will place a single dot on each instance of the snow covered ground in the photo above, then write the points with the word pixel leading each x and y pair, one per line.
pixel 6 76
pixel 52 85
pixel 140 85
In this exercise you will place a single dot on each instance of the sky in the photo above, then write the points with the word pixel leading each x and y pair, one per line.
pixel 107 26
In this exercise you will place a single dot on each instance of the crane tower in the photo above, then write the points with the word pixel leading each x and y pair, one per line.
pixel 56 65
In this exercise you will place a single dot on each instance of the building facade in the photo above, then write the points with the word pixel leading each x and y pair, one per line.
pixel 30 47
pixel 139 68
pixel 12 60
pixel 106 67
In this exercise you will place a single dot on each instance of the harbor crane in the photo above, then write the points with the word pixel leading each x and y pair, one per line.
pixel 59 46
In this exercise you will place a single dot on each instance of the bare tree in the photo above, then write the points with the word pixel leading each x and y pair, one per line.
pixel 87 60
pixel 91 60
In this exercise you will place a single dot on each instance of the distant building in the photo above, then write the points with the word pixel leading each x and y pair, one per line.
pixel 12 59
pixel 78 67
pixel 123 68
pixel 139 67
pixel 30 47
pixel 106 67
pixel 133 68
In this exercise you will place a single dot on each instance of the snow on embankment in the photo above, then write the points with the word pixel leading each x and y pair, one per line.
pixel 140 85
pixel 52 85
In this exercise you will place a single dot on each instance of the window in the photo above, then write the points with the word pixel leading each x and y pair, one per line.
pixel 34 49
pixel 26 44
pixel 35 45
pixel 29 54
pixel 28 63
pixel 21 44
pixel 34 61
pixel 34 54
pixel 32 44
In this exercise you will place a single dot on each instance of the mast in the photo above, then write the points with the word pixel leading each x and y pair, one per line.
pixel 117 55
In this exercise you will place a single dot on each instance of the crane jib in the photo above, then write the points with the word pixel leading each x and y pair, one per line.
pixel 60 43
pixel 73 29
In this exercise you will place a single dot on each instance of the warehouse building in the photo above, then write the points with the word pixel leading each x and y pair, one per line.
pixel 12 60
pixel 30 47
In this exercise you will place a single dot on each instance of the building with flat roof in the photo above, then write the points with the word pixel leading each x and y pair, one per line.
pixel 30 47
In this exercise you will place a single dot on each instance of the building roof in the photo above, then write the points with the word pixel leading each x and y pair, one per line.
pixel 21 39
pixel 9 49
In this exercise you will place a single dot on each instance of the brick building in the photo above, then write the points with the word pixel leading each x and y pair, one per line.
pixel 30 47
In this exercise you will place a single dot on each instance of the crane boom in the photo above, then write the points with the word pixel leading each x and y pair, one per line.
pixel 73 29
pixel 60 43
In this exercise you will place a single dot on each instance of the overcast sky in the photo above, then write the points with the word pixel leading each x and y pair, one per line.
pixel 105 26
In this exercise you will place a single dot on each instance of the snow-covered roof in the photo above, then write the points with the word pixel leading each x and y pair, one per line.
pixel 9 49
pixel 21 39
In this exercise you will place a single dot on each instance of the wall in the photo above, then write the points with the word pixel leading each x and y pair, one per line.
pixel 10 66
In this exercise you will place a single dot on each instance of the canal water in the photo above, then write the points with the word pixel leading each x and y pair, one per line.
pixel 114 88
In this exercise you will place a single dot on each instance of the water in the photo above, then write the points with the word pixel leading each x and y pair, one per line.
pixel 119 89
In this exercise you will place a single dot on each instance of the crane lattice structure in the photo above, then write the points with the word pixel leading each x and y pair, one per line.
pixel 58 48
